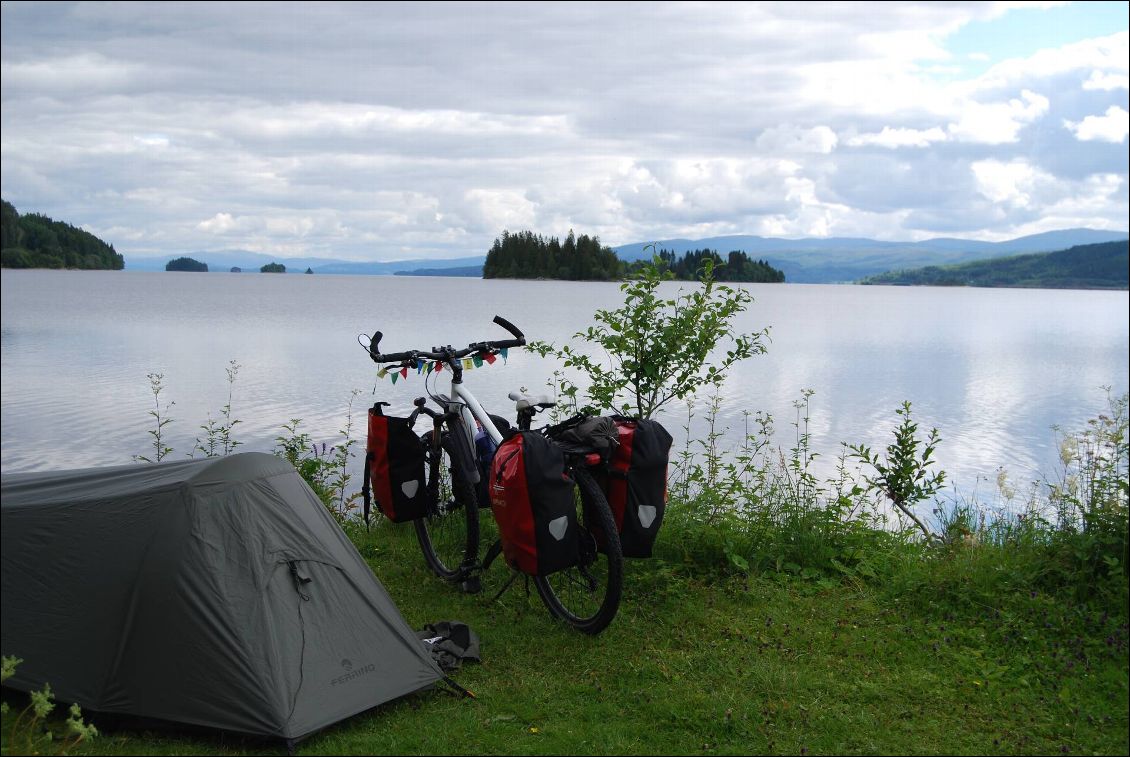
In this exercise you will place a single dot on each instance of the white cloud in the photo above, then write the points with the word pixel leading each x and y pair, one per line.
pixel 1109 127
pixel 221 223
pixel 1106 82
pixel 1010 183
pixel 791 139
pixel 325 119
pixel 1109 54
pixel 152 140
pixel 898 137
pixel 997 123
pixel 498 209
pixel 81 72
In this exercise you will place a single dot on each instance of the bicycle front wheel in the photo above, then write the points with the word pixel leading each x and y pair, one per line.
pixel 587 595
pixel 449 533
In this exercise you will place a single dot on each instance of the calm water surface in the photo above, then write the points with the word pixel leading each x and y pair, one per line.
pixel 993 369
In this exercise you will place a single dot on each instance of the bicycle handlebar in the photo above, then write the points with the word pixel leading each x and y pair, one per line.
pixel 447 353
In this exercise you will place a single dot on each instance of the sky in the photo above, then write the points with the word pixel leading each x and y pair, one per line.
pixel 393 131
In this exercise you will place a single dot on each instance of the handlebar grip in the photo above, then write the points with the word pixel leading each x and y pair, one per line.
pixel 377 357
pixel 374 345
pixel 393 357
pixel 511 328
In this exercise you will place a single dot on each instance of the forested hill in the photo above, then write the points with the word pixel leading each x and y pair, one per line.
pixel 526 255
pixel 1090 266
pixel 36 241
pixel 736 266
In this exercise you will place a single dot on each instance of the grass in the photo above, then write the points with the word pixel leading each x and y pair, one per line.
pixel 735 665
pixel 781 615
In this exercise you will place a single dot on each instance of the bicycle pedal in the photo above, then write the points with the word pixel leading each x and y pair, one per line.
pixel 472 585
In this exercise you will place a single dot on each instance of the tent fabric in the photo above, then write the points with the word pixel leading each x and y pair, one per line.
pixel 217 592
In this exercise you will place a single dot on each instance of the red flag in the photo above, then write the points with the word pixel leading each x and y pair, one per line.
pixel 489 357
pixel 404 372
pixel 439 366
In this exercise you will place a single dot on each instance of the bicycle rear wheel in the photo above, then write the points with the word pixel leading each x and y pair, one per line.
pixel 587 595
pixel 449 534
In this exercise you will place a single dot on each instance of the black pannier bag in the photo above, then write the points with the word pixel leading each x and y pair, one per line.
pixel 394 463
pixel 531 495
pixel 636 483
pixel 599 433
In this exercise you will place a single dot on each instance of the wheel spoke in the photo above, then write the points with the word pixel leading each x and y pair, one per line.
pixel 449 536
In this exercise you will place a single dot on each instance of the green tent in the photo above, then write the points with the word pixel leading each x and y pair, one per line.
pixel 217 592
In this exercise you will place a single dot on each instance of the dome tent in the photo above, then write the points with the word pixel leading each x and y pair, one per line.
pixel 216 592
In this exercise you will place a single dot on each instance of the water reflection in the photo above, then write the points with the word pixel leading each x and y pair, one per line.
pixel 992 369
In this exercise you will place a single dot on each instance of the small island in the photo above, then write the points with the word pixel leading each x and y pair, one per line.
pixel 526 255
pixel 273 268
pixel 186 264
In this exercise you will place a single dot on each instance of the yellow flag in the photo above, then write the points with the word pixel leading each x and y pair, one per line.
pixel 468 364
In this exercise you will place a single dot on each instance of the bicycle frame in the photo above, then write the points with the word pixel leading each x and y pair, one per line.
pixel 470 411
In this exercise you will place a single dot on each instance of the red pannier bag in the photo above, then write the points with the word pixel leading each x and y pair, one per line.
pixel 394 463
pixel 531 496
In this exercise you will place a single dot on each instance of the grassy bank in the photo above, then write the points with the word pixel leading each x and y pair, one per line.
pixel 698 663
pixel 781 614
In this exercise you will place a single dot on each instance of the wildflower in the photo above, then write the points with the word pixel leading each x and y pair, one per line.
pixel 1068 450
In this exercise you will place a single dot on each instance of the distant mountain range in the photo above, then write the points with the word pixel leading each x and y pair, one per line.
pixel 815 261
pixel 843 259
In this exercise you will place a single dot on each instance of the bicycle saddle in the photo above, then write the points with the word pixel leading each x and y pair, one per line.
pixel 522 401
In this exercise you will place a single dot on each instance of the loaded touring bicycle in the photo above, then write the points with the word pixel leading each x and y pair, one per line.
pixel 554 520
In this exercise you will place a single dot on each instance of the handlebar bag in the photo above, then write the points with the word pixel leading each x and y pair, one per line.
pixel 636 483
pixel 531 496
pixel 394 463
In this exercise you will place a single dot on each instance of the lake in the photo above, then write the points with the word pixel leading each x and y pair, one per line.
pixel 993 369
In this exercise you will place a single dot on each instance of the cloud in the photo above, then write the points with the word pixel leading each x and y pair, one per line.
pixel 1009 183
pixel 789 139
pixel 221 223
pixel 1106 81
pixel 379 130
pixel 899 137
pixel 80 73
pixel 997 123
pixel 1109 127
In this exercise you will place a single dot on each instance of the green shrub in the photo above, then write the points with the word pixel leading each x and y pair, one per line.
pixel 32 731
